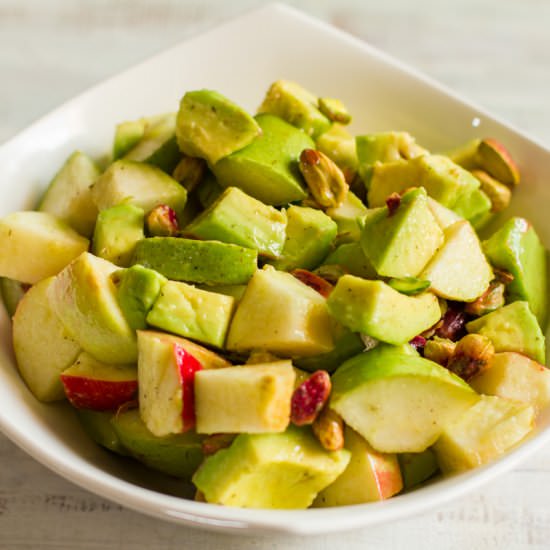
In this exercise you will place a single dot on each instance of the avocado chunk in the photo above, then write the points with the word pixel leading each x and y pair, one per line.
pixel 376 309
pixel 137 290
pixel 178 455
pixel 309 234
pixel 193 313
pixel 399 402
pixel 11 293
pixel 210 262
pixel 210 126
pixel 127 135
pixel 68 196
pixel 416 468
pixel 117 231
pixel 512 328
pixel 516 248
pixel 267 169
pixel 474 206
pixel 244 399
pixel 97 425
pixel 282 470
pixel 339 145
pixel 349 216
pixel 83 297
pixel 238 218
pixel 139 184
pixel 443 180
pixel 297 106
pixel 351 257
pixel 167 156
pixel 208 190
pixel 294 319
pixel 400 242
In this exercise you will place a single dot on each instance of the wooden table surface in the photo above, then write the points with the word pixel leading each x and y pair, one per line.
pixel 496 52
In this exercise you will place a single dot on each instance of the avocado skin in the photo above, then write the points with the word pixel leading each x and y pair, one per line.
pixel 516 248
pixel 210 262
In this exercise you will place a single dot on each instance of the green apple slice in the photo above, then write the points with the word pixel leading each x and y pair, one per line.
pixel 482 433
pixel 244 399
pixel 84 298
pixel 42 345
pixel 398 402
pixel 514 376
pixel 459 270
pixel 282 470
pixel 36 245
pixel 370 476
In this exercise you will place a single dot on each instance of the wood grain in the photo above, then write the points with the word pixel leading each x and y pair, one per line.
pixel 496 52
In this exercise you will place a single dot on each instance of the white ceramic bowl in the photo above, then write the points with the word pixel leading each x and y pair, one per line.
pixel 240 59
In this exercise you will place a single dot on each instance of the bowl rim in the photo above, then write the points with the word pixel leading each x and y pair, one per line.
pixel 252 521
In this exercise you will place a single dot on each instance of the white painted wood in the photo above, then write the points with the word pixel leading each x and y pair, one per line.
pixel 496 52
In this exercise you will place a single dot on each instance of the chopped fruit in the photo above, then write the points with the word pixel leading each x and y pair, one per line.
pixel 324 179
pixel 166 373
pixel 328 428
pixel 216 442
pixel 495 159
pixel 499 193
pixel 417 467
pixel 244 399
pixel 484 432
pixel 283 470
pixel 399 402
pixel 514 376
pixel 409 285
pixel 471 356
pixel 97 425
pixel 491 299
pixel 91 384
pixel 189 172
pixel 323 287
pixel 309 398
pixel 162 221
pixel 370 476
pixel 334 110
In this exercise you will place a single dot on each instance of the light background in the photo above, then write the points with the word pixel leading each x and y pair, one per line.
pixel 495 52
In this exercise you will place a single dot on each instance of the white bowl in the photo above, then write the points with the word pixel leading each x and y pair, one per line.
pixel 240 59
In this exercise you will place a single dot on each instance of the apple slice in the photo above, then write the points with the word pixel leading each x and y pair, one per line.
pixel 442 215
pixel 484 432
pixel 515 376
pixel 370 476
pixel 36 245
pixel 244 399
pixel 416 468
pixel 495 159
pixel 166 373
pixel 459 270
pixel 84 298
pixel 91 384
pixel 42 346
pixel 398 402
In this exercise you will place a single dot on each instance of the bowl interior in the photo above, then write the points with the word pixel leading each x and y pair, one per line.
pixel 241 59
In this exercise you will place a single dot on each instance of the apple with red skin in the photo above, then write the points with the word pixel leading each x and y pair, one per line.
pixel 91 384
pixel 187 367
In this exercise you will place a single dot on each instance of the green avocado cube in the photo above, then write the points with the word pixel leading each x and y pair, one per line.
pixel 208 190
pixel 210 126
pixel 276 470
pixel 137 290
pixel 516 248
pixel 157 133
pixel 417 467
pixel 399 243
pixel 297 106
pixel 191 312
pixel 68 196
pixel 267 169
pixel 97 425
pixel 127 136
pixel 309 234
pixel 512 328
pixel 140 184
pixel 376 309
pixel 117 231
pixel 238 218
pixel 210 262
pixel 474 206
pixel 178 455
pixel 443 180
pixel 339 145
pixel 351 257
